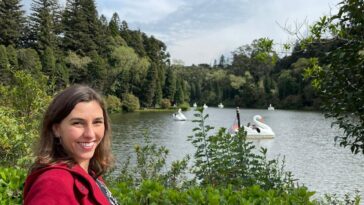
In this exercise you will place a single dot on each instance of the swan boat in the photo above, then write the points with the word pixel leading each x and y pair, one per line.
pixel 220 105
pixel 194 105
pixel 270 107
pixel 258 130
pixel 179 116
pixel 205 106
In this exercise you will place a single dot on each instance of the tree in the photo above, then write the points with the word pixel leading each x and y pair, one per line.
pixel 338 76
pixel 43 24
pixel 81 26
pixel 4 66
pixel 29 61
pixel 114 24
pixel 11 22
pixel 12 56
pixel 150 86
pixel 170 85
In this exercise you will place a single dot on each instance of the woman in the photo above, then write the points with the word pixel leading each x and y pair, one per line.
pixel 74 151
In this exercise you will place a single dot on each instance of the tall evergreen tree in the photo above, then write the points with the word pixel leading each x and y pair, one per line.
pixel 150 86
pixel 114 24
pixel 4 66
pixel 43 25
pixel 11 22
pixel 12 57
pixel 180 94
pixel 81 26
pixel 170 85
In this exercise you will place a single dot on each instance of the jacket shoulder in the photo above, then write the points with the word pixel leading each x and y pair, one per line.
pixel 53 186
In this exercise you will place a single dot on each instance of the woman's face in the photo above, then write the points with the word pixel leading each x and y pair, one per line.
pixel 81 131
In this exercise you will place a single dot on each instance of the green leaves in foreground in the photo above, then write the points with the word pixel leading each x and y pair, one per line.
pixel 11 185
pixel 223 160
pixel 151 192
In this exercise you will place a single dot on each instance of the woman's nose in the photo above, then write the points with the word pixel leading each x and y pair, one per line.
pixel 89 131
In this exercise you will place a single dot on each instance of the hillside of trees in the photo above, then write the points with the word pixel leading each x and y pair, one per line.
pixel 77 45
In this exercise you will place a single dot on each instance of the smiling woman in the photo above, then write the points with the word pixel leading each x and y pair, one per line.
pixel 73 153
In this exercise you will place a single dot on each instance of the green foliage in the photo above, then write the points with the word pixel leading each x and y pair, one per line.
pixel 150 164
pixel 130 102
pixel 12 57
pixel 329 199
pixel 22 104
pixel 224 159
pixel 81 27
pixel 11 22
pixel 170 85
pixel 77 66
pixel 165 103
pixel 11 185
pixel 150 86
pixel 338 76
pixel 4 66
pixel 28 60
pixel 184 106
pixel 113 104
pixel 152 192
pixel 43 26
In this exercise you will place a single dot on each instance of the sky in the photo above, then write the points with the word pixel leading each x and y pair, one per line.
pixel 200 31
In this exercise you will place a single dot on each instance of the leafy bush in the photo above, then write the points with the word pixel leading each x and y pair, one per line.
pixel 21 107
pixel 184 106
pixel 224 159
pixel 130 102
pixel 152 192
pixel 150 164
pixel 165 103
pixel 11 185
pixel 113 104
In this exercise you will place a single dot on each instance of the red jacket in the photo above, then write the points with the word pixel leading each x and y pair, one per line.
pixel 59 184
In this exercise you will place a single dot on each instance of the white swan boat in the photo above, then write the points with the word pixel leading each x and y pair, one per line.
pixel 270 107
pixel 179 116
pixel 258 130
pixel 220 105
pixel 194 105
pixel 205 106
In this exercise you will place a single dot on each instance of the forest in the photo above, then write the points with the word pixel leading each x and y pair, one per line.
pixel 76 45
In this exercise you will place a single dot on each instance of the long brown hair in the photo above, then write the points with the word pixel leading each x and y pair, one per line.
pixel 50 151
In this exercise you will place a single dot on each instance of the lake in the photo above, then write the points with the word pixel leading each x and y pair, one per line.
pixel 306 139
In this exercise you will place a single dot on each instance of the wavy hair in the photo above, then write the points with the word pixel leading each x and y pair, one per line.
pixel 50 151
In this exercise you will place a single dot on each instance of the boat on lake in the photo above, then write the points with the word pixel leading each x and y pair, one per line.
pixel 205 106
pixel 257 130
pixel 194 105
pixel 179 116
pixel 220 105
pixel 270 107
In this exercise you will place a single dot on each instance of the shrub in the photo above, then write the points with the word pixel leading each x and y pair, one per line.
pixel 21 107
pixel 184 106
pixel 11 185
pixel 130 102
pixel 150 164
pixel 152 192
pixel 224 159
pixel 113 104
pixel 165 103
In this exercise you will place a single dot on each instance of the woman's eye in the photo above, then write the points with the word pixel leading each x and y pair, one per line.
pixel 76 123
pixel 99 122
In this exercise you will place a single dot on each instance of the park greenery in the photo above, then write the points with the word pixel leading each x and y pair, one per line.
pixel 55 47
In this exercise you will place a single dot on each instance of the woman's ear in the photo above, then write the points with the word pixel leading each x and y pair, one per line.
pixel 55 129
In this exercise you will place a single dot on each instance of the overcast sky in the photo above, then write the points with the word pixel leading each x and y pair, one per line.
pixel 199 31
